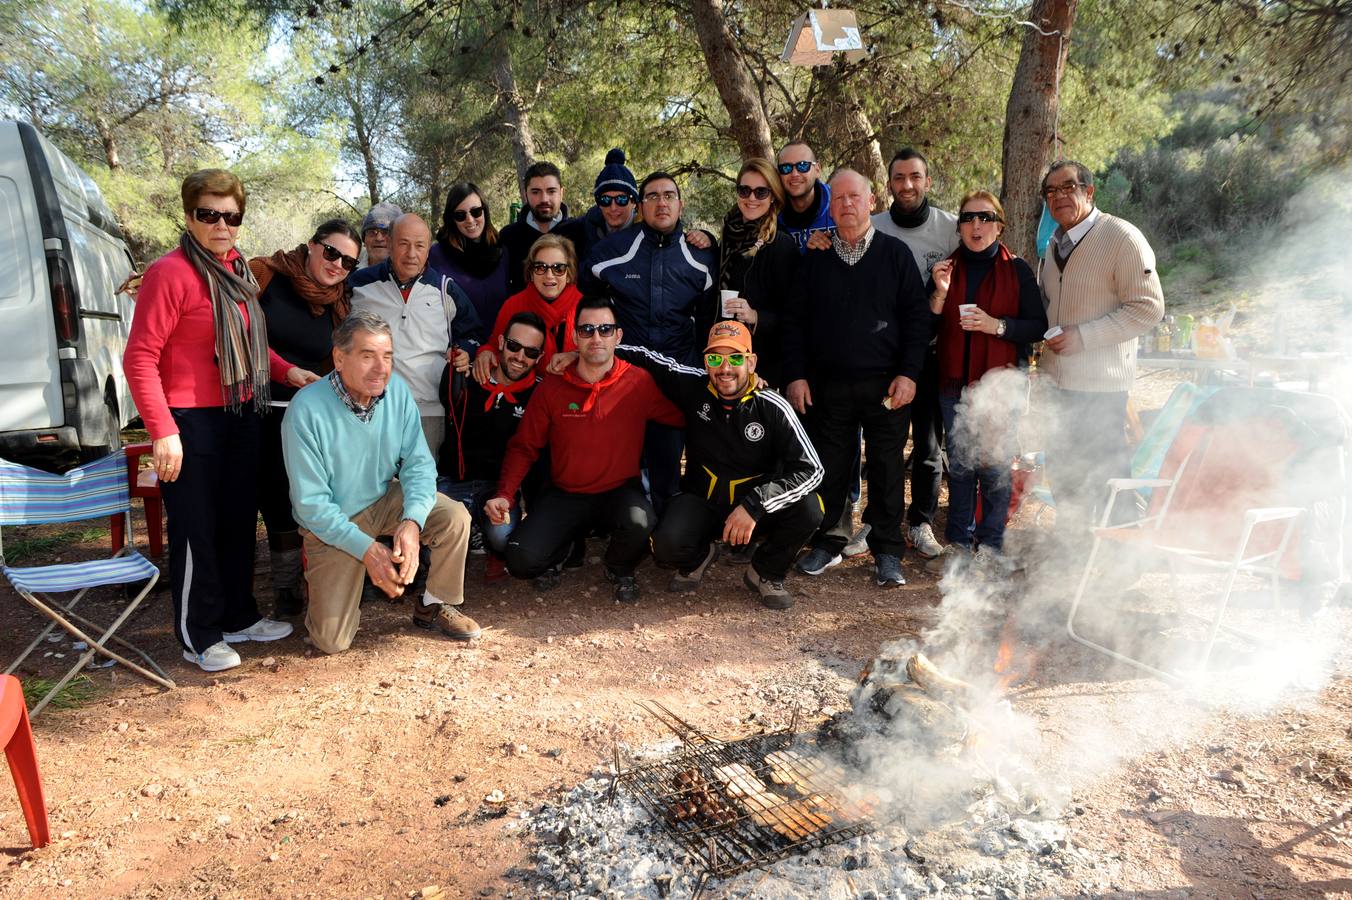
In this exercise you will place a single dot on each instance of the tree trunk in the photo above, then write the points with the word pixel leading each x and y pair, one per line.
pixel 1030 121
pixel 368 159
pixel 516 113
pixel 867 158
pixel 109 141
pixel 746 116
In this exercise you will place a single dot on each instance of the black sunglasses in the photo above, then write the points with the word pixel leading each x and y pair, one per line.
pixel 746 192
pixel 620 200
pixel 803 165
pixel 461 215
pixel 981 215
pixel 540 268
pixel 212 216
pixel 333 254
pixel 605 330
pixel 518 347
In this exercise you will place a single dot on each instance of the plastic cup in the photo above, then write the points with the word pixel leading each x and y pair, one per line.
pixel 1052 332
pixel 723 298
pixel 967 309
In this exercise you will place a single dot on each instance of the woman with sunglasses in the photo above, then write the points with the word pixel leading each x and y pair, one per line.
pixel 988 310
pixel 467 250
pixel 551 293
pixel 305 295
pixel 198 365
pixel 759 261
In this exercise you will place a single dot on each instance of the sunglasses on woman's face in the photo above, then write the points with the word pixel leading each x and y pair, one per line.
pixel 803 165
pixel 540 268
pixel 618 200
pixel 605 330
pixel 746 192
pixel 461 215
pixel 977 215
pixel 518 347
pixel 208 216
pixel 333 254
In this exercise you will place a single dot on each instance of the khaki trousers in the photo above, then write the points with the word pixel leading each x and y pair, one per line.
pixel 335 578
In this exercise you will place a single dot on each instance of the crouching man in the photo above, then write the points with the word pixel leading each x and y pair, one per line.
pixel 360 468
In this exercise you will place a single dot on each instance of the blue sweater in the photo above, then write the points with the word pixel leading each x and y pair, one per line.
pixel 339 465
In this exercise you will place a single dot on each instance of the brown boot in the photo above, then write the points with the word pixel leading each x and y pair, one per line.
pixel 447 619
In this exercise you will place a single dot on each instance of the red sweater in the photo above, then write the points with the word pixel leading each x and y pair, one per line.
pixel 171 352
pixel 559 312
pixel 594 432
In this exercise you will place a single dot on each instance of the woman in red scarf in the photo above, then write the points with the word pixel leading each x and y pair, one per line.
pixel 305 295
pixel 551 293
pixel 988 310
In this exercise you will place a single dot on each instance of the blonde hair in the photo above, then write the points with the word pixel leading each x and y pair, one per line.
pixel 769 223
pixel 211 181
pixel 989 198
pixel 557 242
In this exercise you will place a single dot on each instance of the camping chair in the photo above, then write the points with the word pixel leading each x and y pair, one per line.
pixel 1215 505
pixel 30 497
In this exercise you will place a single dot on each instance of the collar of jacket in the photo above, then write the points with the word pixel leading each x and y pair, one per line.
pixel 752 386
pixel 661 240
pixel 525 211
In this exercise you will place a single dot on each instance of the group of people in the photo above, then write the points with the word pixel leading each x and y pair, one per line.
pixel 392 400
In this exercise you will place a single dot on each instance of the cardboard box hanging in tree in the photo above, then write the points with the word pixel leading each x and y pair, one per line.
pixel 819 34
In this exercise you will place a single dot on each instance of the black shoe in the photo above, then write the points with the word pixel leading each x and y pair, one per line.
pixel 476 543
pixel 626 587
pixel 287 603
pixel 688 582
pixel 548 579
pixel 577 557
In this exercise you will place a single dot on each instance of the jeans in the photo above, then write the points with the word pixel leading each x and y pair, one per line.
pixel 474 494
pixel 967 475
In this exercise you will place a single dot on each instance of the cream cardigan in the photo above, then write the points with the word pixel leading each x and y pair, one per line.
pixel 1111 291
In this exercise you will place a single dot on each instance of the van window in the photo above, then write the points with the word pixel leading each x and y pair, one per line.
pixel 14 246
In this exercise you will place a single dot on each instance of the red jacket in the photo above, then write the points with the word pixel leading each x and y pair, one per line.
pixel 558 317
pixel 170 361
pixel 594 432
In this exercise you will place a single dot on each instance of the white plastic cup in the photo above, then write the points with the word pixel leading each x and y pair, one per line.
pixel 967 309
pixel 723 298
pixel 1052 332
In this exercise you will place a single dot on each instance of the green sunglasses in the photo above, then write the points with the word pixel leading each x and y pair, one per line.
pixel 715 360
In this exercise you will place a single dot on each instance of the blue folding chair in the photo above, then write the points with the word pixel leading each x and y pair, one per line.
pixel 97 490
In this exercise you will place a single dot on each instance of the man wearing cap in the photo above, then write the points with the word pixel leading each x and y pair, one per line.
pixel 375 233
pixel 616 194
pixel 750 472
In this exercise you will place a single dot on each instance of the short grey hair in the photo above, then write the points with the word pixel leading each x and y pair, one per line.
pixel 1082 173
pixel 359 320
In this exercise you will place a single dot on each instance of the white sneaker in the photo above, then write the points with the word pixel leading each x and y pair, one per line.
pixel 923 541
pixel 262 630
pixel 216 658
pixel 858 544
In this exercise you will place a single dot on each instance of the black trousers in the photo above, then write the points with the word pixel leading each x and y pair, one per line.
pixel 690 523
pixel 839 409
pixel 927 467
pixel 545 536
pixel 274 488
pixel 213 519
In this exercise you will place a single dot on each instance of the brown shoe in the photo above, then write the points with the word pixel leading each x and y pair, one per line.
pixel 447 619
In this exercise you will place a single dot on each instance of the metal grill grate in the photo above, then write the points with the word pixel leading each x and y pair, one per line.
pixel 744 804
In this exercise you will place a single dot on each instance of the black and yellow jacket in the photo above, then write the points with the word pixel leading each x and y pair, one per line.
pixel 752 450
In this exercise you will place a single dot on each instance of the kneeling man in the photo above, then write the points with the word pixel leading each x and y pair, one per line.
pixel 359 468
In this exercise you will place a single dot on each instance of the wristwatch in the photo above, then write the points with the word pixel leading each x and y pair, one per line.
pixel 1000 329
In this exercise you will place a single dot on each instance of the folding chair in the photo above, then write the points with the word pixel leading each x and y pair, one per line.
pixel 96 490
pixel 1215 505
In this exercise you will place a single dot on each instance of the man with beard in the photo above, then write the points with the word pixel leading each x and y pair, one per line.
pixel 544 213
pixel 809 208
pixel 931 234
pixel 481 420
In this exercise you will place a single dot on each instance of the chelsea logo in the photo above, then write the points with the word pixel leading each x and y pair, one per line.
pixel 754 431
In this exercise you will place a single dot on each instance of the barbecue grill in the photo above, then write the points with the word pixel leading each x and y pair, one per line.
pixel 745 804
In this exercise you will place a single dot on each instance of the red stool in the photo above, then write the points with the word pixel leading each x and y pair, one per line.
pixel 146 486
pixel 16 735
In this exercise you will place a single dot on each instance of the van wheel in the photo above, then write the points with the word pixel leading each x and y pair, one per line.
pixel 112 428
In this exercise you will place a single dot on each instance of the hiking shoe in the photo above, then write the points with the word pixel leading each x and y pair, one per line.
pixel 216 658
pixel 993 561
pixel 738 554
pixel 887 570
pixel 495 570
pixel 262 630
pixel 922 540
pixel 688 582
pixel 548 579
pixel 858 544
pixel 773 594
pixel 817 561
pixel 626 587
pixel 577 557
pixel 952 555
pixel 476 542
pixel 446 619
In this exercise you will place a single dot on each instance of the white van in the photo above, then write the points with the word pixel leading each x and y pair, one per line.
pixel 63 329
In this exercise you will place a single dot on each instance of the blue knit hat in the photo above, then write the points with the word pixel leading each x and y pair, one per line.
pixel 615 177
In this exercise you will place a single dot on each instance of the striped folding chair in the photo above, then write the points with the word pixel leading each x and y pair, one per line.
pixel 97 490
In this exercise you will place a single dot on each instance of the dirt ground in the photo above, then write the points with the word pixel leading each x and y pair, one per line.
pixel 364 774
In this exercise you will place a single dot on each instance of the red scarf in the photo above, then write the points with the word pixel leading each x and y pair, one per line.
pixel 507 391
pixel 964 356
pixel 594 389
pixel 555 313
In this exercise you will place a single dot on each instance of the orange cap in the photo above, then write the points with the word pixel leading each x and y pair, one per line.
pixel 731 334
